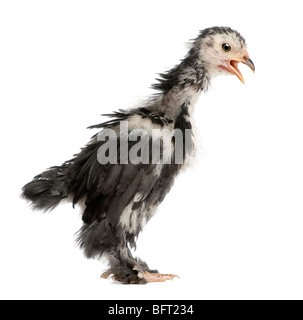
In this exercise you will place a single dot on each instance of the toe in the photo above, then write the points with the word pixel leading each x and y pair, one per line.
pixel 158 277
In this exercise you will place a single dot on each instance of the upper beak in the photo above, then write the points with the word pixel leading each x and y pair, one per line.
pixel 233 66
pixel 249 63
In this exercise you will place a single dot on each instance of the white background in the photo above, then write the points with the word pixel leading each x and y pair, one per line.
pixel 231 228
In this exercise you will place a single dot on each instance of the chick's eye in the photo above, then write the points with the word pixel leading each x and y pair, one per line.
pixel 226 47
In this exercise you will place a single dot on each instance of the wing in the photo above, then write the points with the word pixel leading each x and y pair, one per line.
pixel 108 189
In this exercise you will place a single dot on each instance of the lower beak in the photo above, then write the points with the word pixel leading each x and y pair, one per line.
pixel 233 67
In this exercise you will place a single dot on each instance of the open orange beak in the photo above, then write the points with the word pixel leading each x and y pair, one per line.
pixel 233 67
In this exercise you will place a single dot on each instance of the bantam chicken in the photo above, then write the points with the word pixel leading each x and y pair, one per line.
pixel 124 173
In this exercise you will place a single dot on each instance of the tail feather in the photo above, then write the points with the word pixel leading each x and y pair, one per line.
pixel 47 189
